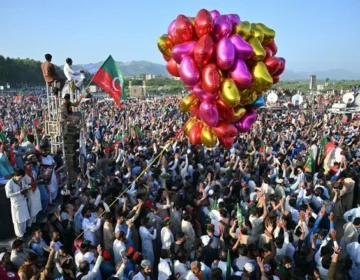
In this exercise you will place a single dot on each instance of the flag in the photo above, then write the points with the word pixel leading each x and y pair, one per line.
pixel 239 215
pixel 110 79
pixel 309 163
pixel 136 132
pixel 323 142
pixel 17 99
pixel 3 138
pixel 228 266
pixel 91 68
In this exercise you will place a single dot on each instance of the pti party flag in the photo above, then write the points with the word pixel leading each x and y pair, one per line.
pixel 110 79
pixel 309 163
pixel 321 156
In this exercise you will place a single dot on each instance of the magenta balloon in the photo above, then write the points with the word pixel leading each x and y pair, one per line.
pixel 240 74
pixel 225 54
pixel 171 29
pixel 215 14
pixel 245 123
pixel 181 50
pixel 209 113
pixel 234 19
pixel 222 28
pixel 243 49
pixel 189 71
pixel 203 95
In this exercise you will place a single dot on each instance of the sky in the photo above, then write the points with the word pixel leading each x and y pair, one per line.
pixel 310 34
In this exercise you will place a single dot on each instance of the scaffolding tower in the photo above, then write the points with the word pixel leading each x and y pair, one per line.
pixel 61 134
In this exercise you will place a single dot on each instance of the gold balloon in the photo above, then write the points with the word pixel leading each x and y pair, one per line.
pixel 163 45
pixel 248 96
pixel 243 29
pixel 229 93
pixel 269 34
pixel 256 32
pixel 188 103
pixel 208 137
pixel 189 124
pixel 262 80
pixel 259 52
pixel 239 112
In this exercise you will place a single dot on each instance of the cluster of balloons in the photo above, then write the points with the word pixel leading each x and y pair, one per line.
pixel 227 64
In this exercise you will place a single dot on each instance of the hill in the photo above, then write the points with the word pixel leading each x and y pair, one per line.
pixel 332 74
pixel 136 68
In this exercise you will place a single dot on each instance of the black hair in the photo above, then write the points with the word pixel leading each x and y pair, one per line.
pixel 48 57
pixel 68 60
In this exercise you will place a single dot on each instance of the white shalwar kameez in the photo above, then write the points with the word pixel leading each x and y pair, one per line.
pixel 33 200
pixel 147 244
pixel 19 207
pixel 53 187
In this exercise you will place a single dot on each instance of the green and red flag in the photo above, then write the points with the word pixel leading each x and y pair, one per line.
pixel 309 163
pixel 321 156
pixel 110 79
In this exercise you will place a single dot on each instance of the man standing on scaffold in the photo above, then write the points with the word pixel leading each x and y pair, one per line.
pixel 73 75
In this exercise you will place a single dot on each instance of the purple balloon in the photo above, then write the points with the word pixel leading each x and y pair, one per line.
pixel 209 113
pixel 171 28
pixel 235 19
pixel 245 123
pixel 225 54
pixel 203 95
pixel 181 50
pixel 222 28
pixel 240 74
pixel 189 71
pixel 242 48
pixel 215 14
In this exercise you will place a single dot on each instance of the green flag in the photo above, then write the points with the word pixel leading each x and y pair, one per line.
pixel 323 143
pixel 228 266
pixel 309 163
pixel 239 215
pixel 3 138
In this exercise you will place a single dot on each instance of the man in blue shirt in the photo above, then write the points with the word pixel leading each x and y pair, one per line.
pixel 19 152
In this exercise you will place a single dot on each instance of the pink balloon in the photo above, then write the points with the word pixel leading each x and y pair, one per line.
pixel 225 54
pixel 202 95
pixel 181 50
pixel 189 71
pixel 171 29
pixel 240 74
pixel 245 123
pixel 215 14
pixel 234 19
pixel 243 49
pixel 222 28
pixel 209 113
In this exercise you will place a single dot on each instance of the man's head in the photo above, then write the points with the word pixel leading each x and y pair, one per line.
pixel 146 267
pixel 48 57
pixel 67 98
pixel 69 61
pixel 37 233
pixel 31 258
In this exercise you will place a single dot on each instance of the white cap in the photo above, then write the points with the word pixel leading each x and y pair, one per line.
pixel 211 192
pixel 220 200
pixel 117 172
pixel 249 267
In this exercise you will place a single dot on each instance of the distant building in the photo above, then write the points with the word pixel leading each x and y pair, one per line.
pixel 137 91
pixel 150 76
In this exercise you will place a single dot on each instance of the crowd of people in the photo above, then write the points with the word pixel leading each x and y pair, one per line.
pixel 151 206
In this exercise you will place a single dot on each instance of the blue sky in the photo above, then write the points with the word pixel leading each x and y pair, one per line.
pixel 310 34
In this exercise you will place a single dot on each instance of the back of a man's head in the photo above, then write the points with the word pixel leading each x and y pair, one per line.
pixel 48 57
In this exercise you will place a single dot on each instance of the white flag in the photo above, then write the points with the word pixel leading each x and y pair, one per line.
pixel 91 68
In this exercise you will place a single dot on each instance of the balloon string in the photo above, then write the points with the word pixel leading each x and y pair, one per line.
pixel 167 145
